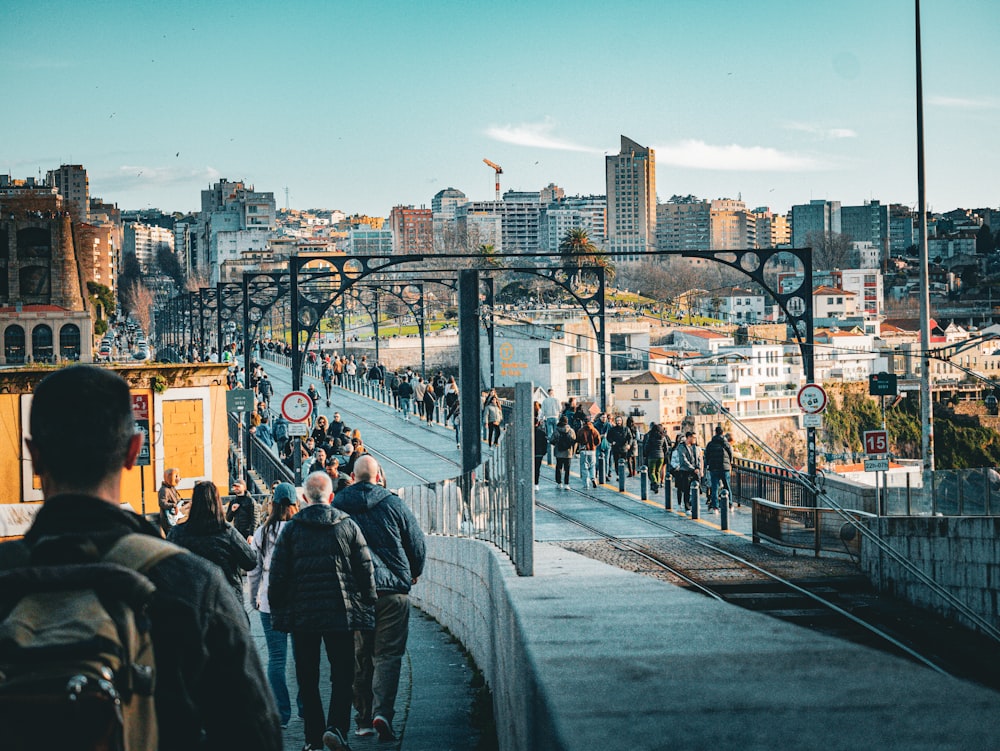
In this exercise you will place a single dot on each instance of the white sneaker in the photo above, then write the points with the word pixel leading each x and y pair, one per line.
pixel 536 487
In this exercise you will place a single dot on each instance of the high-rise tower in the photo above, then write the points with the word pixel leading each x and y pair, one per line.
pixel 631 186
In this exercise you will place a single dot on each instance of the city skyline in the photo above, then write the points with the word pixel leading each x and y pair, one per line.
pixel 364 108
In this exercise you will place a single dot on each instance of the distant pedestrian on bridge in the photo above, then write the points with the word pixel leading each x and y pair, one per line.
pixel 493 417
pixel 405 393
pixel 563 440
pixel 550 413
pixel 719 463
pixel 587 441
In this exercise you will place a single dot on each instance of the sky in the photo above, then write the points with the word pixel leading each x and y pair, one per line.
pixel 362 106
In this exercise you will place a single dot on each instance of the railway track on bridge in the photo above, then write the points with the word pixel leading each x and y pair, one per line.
pixel 827 596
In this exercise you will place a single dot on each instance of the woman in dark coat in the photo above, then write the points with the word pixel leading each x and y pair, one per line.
pixel 208 534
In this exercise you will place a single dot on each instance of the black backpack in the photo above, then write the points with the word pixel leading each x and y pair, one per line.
pixel 76 654
pixel 564 441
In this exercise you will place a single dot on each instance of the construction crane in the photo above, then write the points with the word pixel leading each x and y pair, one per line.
pixel 498 170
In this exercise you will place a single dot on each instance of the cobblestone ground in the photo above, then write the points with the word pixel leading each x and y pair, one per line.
pixel 710 565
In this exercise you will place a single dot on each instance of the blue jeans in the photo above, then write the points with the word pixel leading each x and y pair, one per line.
pixel 277 657
pixel 404 404
pixel 550 426
pixel 717 476
pixel 588 465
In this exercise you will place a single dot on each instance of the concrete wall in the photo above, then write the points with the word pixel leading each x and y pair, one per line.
pixel 587 656
pixel 466 587
pixel 962 554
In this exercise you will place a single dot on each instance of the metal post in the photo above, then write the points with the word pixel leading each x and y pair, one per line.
pixel 694 498
pixel 422 321
pixel 667 500
pixel 643 479
pixel 621 475
pixel 600 467
pixel 490 331
pixel 293 293
pixel 468 339
pixel 723 504
pixel 524 506
pixel 375 324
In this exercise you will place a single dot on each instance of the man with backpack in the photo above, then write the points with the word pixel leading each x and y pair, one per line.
pixel 564 441
pixel 88 567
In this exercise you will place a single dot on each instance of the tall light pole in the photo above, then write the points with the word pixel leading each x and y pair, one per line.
pixel 926 408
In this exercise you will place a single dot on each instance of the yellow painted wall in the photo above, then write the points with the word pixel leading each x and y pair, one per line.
pixel 11 447
pixel 182 442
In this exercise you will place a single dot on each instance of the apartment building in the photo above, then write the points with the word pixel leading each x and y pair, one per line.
pixel 630 177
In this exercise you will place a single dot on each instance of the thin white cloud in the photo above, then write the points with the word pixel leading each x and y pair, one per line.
pixel 130 176
pixel 821 132
pixel 535 135
pixel 986 103
pixel 700 155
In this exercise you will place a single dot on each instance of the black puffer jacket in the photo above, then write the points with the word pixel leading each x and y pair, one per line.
pixel 395 538
pixel 718 455
pixel 321 574
pixel 211 691
pixel 655 445
pixel 227 549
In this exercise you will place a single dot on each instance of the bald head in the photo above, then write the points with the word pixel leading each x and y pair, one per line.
pixel 366 469
pixel 318 488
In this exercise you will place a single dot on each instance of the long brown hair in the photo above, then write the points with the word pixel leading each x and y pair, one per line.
pixel 206 515
pixel 280 512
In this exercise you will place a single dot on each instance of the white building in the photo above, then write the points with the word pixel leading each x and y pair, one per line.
pixel 845 355
pixel 576 212
pixel 235 220
pixel 652 397
pixel 833 302
pixel 704 341
pixel 144 240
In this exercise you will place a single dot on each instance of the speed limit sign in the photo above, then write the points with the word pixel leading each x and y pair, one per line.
pixel 812 398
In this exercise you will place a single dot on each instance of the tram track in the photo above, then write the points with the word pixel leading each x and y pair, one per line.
pixel 841 606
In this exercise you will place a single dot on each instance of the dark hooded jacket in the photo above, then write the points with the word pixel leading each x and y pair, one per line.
pixel 321 574
pixel 395 538
pixel 226 548
pixel 211 691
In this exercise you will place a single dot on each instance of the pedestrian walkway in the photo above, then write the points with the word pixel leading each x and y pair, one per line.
pixel 434 705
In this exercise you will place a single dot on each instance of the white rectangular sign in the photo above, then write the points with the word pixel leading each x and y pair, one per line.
pixel 876 465
pixel 812 421
pixel 298 429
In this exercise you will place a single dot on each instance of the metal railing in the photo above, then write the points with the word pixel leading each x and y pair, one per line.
pixel 753 479
pixel 265 468
pixel 953 492
pixel 807 528
pixel 478 504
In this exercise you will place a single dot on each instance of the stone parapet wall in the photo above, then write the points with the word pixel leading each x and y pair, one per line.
pixel 962 554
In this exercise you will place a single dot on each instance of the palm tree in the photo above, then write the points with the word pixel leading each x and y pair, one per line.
pixel 578 250
pixel 489 254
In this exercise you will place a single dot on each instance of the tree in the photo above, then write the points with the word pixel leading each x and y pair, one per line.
pixel 985 243
pixel 831 250
pixel 489 254
pixel 169 265
pixel 142 301
pixel 578 250
pixel 129 278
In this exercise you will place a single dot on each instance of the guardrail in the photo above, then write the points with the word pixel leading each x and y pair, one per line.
pixel 807 528
pixel 753 479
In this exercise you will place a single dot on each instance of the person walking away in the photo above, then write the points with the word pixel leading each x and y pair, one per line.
pixel 563 440
pixel 492 416
pixel 429 402
pixel 399 552
pixel 633 447
pixel 210 690
pixel 689 468
pixel 327 376
pixel 541 445
pixel 621 443
pixel 550 413
pixel 171 503
pixel 284 505
pixel 451 402
pixel 206 533
pixel 587 441
pixel 405 393
pixel 321 589
pixel 241 511
pixel 266 390
pixel 719 463
pixel 419 390
pixel 655 448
